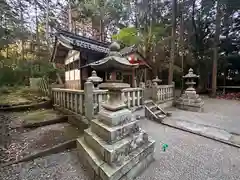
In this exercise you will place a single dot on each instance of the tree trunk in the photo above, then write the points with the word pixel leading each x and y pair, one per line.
pixel 37 33
pixel 172 56
pixel 182 44
pixel 69 16
pixel 47 27
pixel 101 30
pixel 215 51
pixel 22 28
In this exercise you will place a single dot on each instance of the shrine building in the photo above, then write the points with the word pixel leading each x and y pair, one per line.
pixel 78 52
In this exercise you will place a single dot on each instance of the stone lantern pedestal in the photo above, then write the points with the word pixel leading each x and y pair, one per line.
pixel 190 100
pixel 115 147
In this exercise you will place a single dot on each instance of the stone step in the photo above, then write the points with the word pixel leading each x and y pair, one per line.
pixel 148 102
pixel 130 166
pixel 89 158
pixel 156 115
pixel 139 168
pixel 162 116
pixel 108 152
pixel 113 134
pixel 153 107
pixel 158 112
pixel 126 169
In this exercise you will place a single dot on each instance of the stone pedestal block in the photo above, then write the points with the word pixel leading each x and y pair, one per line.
pixel 113 118
pixel 190 101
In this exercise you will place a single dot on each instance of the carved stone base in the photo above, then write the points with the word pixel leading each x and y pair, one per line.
pixel 189 108
pixel 190 101
pixel 132 165
pixel 114 147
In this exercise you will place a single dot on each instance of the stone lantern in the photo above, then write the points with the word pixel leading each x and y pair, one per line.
pixel 95 79
pixel 190 100
pixel 156 81
pixel 114 63
pixel 115 138
pixel 189 78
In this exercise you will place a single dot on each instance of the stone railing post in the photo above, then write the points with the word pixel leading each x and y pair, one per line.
pixel 173 90
pixel 142 85
pixel 88 100
pixel 155 92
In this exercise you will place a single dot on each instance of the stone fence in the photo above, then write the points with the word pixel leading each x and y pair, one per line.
pixel 133 97
pixel 76 100
pixel 162 95
pixel 69 99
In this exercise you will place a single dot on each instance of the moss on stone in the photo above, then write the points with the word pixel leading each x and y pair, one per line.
pixel 10 99
pixel 72 132
pixel 38 115
pixel 19 95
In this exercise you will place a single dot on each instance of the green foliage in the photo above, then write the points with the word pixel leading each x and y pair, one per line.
pixel 11 75
pixel 127 36
pixel 132 36
pixel 150 42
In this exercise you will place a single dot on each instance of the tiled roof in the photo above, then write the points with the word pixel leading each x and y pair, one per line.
pixel 128 50
pixel 70 39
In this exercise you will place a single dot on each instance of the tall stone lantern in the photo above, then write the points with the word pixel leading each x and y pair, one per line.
pixel 95 79
pixel 189 80
pixel 114 146
pixel 190 100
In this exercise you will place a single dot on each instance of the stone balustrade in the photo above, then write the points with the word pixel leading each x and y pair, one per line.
pixel 69 99
pixel 163 93
pixel 75 100
pixel 133 97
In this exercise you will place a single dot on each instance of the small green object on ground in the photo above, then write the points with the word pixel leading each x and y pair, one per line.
pixel 164 147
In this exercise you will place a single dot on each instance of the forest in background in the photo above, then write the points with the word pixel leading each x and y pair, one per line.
pixel 173 35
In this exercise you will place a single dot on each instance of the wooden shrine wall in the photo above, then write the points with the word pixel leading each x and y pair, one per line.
pixel 72 72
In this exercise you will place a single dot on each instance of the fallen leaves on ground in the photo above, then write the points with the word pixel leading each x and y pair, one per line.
pixel 233 96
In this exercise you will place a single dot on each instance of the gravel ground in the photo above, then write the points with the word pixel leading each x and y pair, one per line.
pixel 189 157
pixel 218 113
pixel 28 142
pixel 21 142
pixel 62 166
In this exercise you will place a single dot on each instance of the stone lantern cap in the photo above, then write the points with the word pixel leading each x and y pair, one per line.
pixel 157 80
pixel 94 78
pixel 113 61
pixel 191 74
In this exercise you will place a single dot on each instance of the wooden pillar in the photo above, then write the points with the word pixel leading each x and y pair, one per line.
pixel 80 77
pixel 114 76
pixel 133 77
pixel 145 75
